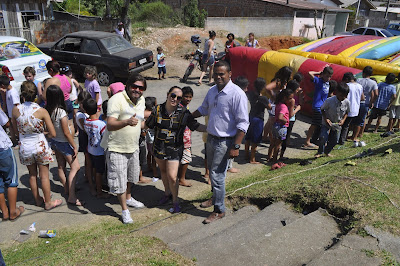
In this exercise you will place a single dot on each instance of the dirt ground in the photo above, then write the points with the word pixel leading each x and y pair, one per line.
pixel 176 44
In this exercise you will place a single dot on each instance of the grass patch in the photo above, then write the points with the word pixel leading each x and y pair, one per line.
pixel 332 185
pixel 106 242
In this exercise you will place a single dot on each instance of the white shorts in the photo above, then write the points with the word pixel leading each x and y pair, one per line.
pixel 394 112
pixel 122 168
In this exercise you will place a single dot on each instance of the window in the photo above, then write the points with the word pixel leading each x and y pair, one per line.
pixel 380 34
pixel 359 31
pixel 69 44
pixel 370 32
pixel 28 15
pixel 90 47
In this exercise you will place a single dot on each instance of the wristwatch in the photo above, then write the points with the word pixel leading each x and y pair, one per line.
pixel 236 146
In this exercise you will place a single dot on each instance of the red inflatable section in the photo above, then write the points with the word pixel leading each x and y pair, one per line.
pixel 337 46
pixel 244 62
pixel 308 86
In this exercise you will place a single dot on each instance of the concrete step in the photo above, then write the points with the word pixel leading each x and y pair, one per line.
pixel 192 229
pixel 350 250
pixel 225 243
pixel 295 244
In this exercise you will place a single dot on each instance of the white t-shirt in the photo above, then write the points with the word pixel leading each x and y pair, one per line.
pixel 79 116
pixel 95 130
pixel 56 117
pixel 5 142
pixel 74 94
pixel 355 98
pixel 12 97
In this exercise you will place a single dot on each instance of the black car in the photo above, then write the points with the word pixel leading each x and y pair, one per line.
pixel 112 55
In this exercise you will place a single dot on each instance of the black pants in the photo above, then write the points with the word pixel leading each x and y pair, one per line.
pixel 345 130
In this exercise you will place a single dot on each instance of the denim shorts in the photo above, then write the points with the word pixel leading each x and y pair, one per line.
pixel 64 147
pixel 162 69
pixel 8 169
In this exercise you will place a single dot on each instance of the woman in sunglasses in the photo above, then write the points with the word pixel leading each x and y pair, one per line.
pixel 169 121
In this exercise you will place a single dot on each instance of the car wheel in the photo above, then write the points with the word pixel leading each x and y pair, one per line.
pixel 105 77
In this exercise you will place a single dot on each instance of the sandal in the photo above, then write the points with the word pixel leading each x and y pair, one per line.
pixel 76 203
pixel 56 203
pixel 21 210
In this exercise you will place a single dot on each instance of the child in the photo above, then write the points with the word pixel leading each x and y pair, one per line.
pixel 386 94
pixel 30 120
pixel 251 42
pixel 394 112
pixel 114 89
pixel 81 116
pixel 187 96
pixel 161 63
pixel 281 124
pixel 258 105
pixel 294 107
pixel 320 95
pixel 92 86
pixel 94 128
pixel 150 103
pixel 277 84
pixel 334 112
pixel 8 174
pixel 12 99
pixel 63 143
pixel 30 73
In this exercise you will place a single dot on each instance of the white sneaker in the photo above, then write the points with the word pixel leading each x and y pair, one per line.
pixel 355 144
pixel 126 217
pixel 362 144
pixel 134 203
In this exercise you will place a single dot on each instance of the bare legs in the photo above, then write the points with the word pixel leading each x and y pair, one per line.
pixel 12 202
pixel 169 172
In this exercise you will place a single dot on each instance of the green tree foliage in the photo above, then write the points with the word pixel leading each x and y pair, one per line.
pixel 192 16
pixel 73 6
pixel 153 13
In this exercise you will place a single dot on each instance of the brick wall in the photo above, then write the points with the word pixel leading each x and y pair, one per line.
pixel 244 8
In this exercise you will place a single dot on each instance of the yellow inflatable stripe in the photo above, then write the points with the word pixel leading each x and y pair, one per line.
pixel 380 68
pixel 350 51
pixel 272 61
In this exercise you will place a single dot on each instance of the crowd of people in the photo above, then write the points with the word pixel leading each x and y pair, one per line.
pixel 119 136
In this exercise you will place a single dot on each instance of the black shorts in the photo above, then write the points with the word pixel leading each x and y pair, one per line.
pixel 316 118
pixel 375 112
pixel 162 69
pixel 142 152
pixel 83 140
pixel 169 153
pixel 98 163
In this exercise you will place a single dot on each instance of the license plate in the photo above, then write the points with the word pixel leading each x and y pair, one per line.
pixel 142 61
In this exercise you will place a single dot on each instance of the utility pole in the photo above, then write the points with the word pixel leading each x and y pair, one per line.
pixel 387 9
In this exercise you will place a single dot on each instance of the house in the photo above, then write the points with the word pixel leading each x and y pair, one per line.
pixel 275 17
pixel 362 9
pixel 14 16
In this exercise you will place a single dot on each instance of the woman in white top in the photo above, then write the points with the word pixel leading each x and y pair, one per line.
pixel 63 143
pixel 252 42
pixel 208 59
pixel 34 152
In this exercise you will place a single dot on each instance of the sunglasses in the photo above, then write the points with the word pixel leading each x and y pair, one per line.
pixel 141 88
pixel 173 96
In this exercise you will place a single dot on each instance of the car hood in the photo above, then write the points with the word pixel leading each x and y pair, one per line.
pixel 133 53
pixel 45 45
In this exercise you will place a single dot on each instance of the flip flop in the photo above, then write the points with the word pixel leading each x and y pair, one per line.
pixel 57 203
pixel 21 211
pixel 309 147
pixel 76 203
pixel 275 166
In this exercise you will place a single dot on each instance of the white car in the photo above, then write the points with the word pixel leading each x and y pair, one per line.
pixel 17 53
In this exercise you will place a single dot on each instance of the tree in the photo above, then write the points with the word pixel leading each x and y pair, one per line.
pixel 192 16
pixel 320 30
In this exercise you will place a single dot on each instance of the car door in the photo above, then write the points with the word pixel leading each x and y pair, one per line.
pixel 66 52
pixel 90 54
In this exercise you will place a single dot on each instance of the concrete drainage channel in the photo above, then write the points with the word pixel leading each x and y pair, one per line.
pixel 274 235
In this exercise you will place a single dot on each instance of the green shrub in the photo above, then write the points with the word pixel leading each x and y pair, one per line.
pixel 192 16
pixel 153 13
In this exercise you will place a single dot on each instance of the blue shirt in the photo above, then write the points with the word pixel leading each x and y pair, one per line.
pixel 320 93
pixel 227 110
pixel 161 63
pixel 385 93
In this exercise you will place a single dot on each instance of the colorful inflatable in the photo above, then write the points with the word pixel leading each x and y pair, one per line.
pixel 342 53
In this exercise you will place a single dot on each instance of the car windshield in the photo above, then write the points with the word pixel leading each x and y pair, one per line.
pixel 115 44
pixel 16 49
pixel 387 33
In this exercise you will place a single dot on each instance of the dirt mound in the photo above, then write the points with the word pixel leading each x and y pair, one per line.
pixel 279 42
